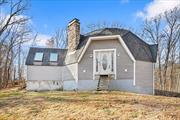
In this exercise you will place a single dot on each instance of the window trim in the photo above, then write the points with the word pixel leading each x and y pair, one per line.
pixel 53 60
pixel 94 58
pixel 38 60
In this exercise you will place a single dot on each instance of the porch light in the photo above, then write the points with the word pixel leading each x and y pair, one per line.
pixel 90 55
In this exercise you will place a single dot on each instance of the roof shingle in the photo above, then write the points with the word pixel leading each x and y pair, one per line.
pixel 139 49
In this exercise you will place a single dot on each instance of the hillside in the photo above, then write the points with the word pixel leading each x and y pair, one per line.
pixel 23 105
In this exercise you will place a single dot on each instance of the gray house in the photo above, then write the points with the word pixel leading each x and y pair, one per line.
pixel 109 58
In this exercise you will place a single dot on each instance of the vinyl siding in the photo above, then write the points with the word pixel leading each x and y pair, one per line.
pixel 64 73
pixel 144 74
pixel 123 61
pixel 44 73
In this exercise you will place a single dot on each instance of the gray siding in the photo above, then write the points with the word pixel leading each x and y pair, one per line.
pixel 123 61
pixel 64 73
pixel 127 85
pixel 144 74
pixel 70 72
pixel 44 73
pixel 51 77
pixel 43 77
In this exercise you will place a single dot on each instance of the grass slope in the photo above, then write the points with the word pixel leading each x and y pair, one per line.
pixel 54 105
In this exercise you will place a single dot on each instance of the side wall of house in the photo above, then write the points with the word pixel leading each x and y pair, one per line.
pixel 144 76
pixel 125 79
pixel 85 66
pixel 70 77
pixel 123 61
pixel 80 75
pixel 51 77
pixel 143 81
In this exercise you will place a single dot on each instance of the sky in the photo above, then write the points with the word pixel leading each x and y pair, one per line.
pixel 49 15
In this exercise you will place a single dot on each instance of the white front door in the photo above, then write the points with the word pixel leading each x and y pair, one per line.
pixel 104 62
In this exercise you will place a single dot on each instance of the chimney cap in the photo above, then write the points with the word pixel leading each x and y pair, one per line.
pixel 73 20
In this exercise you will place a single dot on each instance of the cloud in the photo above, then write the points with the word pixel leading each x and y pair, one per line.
pixel 157 7
pixel 4 18
pixel 15 20
pixel 42 39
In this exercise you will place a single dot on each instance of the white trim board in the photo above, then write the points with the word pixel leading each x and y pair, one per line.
pixel 109 38
pixel 153 65
pixel 94 59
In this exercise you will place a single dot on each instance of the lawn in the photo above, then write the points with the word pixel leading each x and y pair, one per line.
pixel 54 105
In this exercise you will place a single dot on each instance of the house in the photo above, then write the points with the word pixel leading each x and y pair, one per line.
pixel 109 58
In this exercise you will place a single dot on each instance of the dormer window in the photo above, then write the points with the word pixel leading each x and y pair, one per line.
pixel 53 57
pixel 38 56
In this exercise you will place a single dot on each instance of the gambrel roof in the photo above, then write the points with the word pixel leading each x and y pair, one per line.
pixel 139 49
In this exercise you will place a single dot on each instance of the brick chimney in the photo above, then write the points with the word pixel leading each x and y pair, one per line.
pixel 73 34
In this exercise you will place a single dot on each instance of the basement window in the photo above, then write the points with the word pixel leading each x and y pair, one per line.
pixel 38 56
pixel 53 57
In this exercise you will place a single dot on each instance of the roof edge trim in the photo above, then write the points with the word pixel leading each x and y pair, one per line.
pixel 107 38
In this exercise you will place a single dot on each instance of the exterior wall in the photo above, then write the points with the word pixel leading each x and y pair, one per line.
pixel 124 81
pixel 87 84
pixel 51 77
pixel 80 75
pixel 144 74
pixel 44 78
pixel 127 85
pixel 123 85
pixel 123 61
pixel 44 73
pixel 70 72
pixel 70 77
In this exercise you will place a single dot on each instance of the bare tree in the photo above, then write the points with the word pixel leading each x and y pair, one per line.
pixel 172 35
pixel 17 7
pixel 59 38
pixel 13 33
pixel 3 2
pixel 164 30
pixel 153 32
pixel 100 25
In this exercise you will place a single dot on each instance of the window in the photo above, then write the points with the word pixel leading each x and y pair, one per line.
pixel 53 57
pixel 104 61
pixel 38 56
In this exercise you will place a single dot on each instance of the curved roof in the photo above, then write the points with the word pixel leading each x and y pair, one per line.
pixel 139 49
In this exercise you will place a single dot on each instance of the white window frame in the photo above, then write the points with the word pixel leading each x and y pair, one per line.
pixel 37 54
pixel 53 60
pixel 94 61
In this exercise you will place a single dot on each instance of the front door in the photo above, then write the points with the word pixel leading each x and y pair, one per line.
pixel 104 62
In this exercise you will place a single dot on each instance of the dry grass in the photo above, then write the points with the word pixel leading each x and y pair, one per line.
pixel 23 105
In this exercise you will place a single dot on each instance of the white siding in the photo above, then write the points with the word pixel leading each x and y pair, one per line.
pixel 51 77
pixel 44 73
